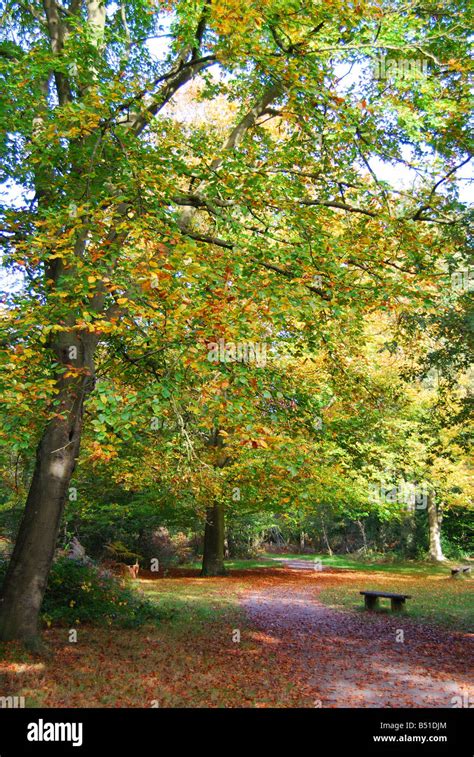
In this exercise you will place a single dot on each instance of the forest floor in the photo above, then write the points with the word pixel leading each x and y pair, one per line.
pixel 304 642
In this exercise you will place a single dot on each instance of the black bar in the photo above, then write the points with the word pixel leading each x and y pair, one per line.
pixel 151 731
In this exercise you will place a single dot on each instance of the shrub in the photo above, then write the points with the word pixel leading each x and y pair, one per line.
pixel 79 593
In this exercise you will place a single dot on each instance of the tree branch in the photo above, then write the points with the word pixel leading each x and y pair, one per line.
pixel 340 206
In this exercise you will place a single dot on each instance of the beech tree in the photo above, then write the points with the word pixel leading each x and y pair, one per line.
pixel 114 196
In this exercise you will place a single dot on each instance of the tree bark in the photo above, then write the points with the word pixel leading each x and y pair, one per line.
pixel 213 557
pixel 325 534
pixel 302 540
pixel 434 524
pixel 27 575
pixel 364 538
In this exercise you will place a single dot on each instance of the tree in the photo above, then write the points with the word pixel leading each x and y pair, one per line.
pixel 88 113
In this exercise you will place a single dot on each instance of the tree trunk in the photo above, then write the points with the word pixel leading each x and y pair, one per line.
pixel 214 532
pixel 364 538
pixel 25 582
pixel 434 522
pixel 213 557
pixel 325 534
pixel 302 541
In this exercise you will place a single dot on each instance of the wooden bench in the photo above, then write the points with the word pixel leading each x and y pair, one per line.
pixel 461 570
pixel 372 600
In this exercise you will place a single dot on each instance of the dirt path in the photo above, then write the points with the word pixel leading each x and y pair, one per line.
pixel 354 659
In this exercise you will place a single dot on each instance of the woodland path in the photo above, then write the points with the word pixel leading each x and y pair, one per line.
pixel 354 659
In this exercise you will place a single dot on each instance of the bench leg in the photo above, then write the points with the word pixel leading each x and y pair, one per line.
pixel 398 605
pixel 371 603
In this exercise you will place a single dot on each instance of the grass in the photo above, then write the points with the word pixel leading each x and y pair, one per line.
pixel 364 564
pixel 436 603
pixel 234 564
pixel 194 602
